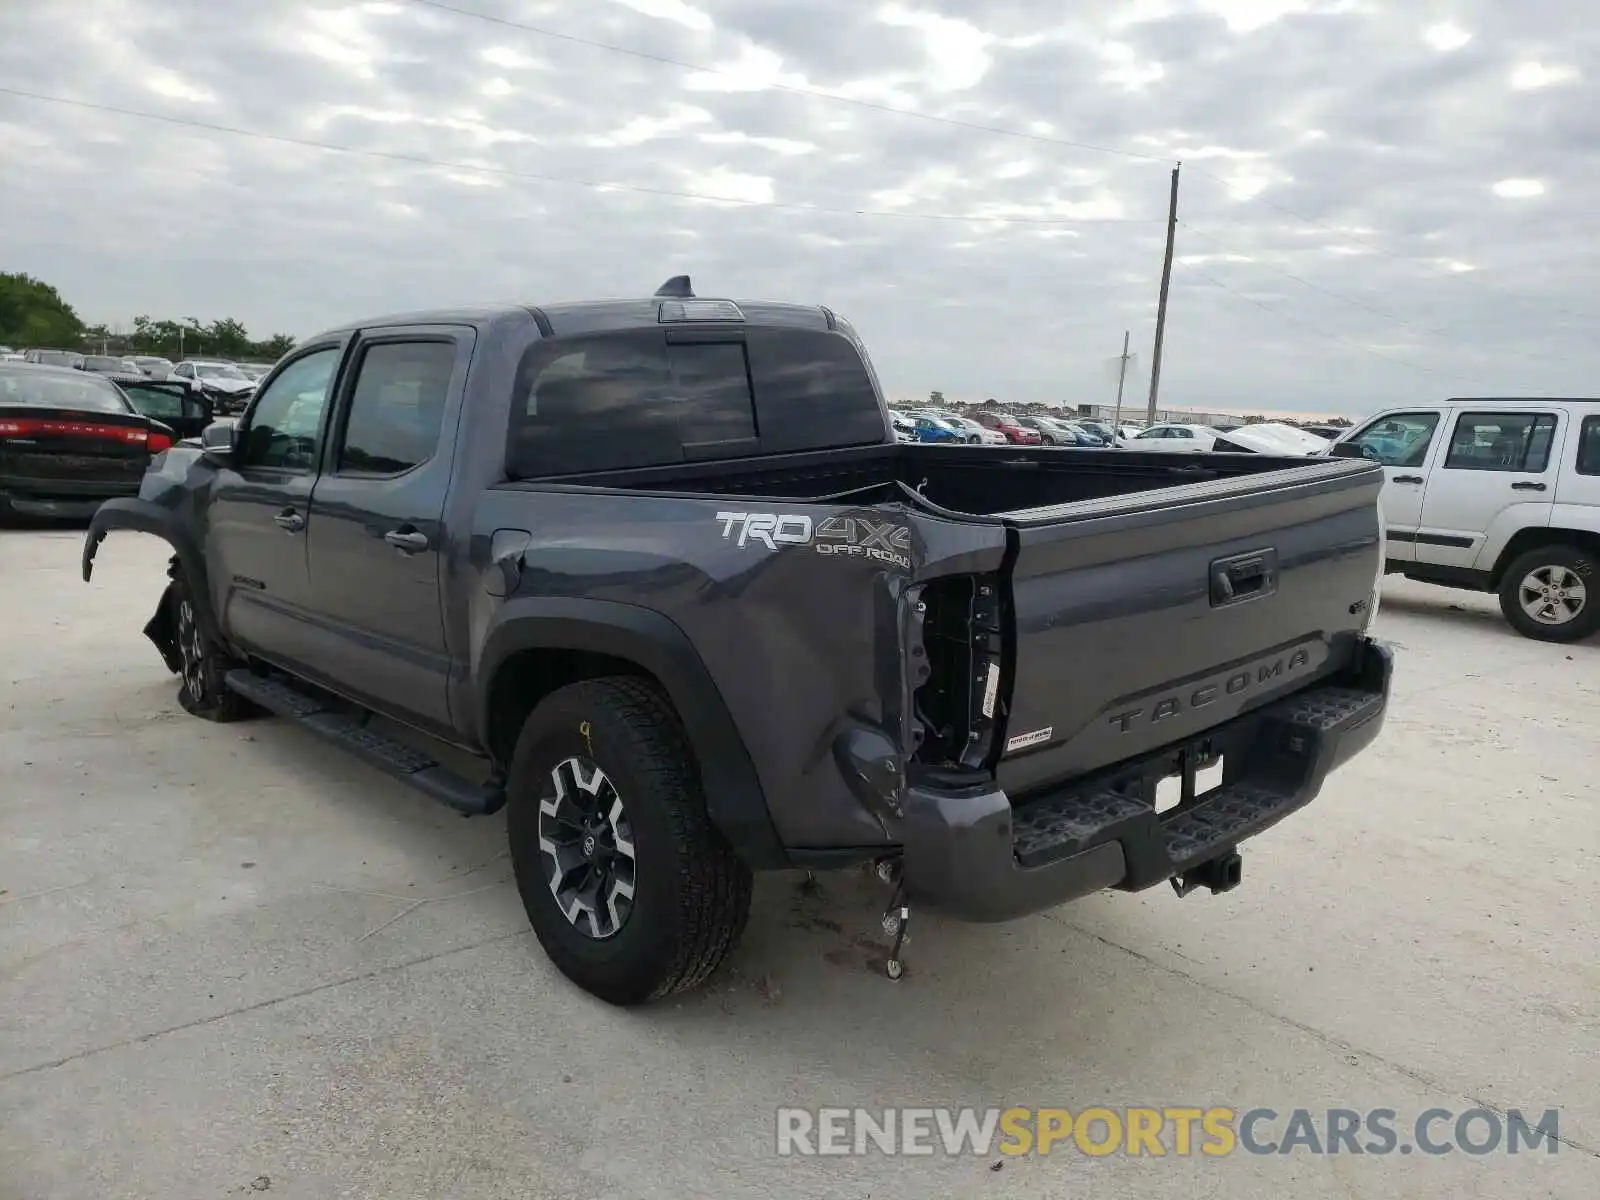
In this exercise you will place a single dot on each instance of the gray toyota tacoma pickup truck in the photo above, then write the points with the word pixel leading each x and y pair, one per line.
pixel 661 567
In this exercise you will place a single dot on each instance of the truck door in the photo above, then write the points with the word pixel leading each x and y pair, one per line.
pixel 1495 476
pixel 377 535
pixel 1403 443
pixel 256 543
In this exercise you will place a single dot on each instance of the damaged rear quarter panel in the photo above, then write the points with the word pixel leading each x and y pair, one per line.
pixel 797 611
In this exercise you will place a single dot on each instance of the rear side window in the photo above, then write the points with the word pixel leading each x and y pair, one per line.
pixel 635 399
pixel 1589 447
pixel 1501 442
pixel 397 407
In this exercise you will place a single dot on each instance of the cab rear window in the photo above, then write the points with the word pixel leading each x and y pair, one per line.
pixel 651 397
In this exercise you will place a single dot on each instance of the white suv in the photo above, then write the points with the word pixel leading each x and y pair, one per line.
pixel 1497 496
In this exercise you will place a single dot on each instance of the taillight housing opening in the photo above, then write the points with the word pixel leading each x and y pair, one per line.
pixel 960 705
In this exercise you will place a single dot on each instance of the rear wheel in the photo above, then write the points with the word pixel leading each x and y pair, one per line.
pixel 1049 441
pixel 1546 594
pixel 630 889
pixel 973 439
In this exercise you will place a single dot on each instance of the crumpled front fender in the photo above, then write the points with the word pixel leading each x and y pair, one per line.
pixel 144 516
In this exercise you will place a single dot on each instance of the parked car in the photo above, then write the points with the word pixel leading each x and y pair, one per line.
pixel 103 364
pixel 153 365
pixel 655 562
pixel 1175 437
pixel 904 431
pixel 1012 429
pixel 254 372
pixel 224 384
pixel 68 440
pixel 973 433
pixel 1100 429
pixel 933 429
pixel 53 358
pixel 1495 495
pixel 183 410
pixel 1051 432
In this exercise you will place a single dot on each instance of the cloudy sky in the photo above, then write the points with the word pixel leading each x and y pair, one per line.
pixel 1381 201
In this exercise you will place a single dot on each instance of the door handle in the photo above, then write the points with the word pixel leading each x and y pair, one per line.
pixel 1408 479
pixel 1526 486
pixel 290 520
pixel 408 540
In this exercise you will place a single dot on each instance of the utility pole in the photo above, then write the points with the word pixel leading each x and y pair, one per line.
pixel 1161 307
pixel 1122 377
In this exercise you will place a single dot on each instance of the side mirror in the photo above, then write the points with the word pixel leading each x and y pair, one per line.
pixel 1348 450
pixel 217 441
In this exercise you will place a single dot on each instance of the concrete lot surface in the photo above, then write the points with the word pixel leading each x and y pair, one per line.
pixel 234 961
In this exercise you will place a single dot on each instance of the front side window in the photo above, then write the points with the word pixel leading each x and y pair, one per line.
pixel 1501 442
pixel 285 423
pixel 397 407
pixel 1401 440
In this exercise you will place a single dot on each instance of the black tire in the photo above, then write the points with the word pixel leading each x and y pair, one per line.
pixel 1548 573
pixel 203 663
pixel 1049 441
pixel 974 440
pixel 689 895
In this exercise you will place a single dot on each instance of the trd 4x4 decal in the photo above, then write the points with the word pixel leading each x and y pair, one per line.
pixel 856 537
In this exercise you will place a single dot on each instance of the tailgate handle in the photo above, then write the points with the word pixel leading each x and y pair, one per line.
pixel 1244 577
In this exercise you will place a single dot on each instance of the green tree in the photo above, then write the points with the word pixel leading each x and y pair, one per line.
pixel 32 313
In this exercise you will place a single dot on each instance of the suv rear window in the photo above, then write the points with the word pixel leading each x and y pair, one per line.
pixel 647 397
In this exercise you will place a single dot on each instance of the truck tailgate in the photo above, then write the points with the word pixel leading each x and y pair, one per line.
pixel 1147 619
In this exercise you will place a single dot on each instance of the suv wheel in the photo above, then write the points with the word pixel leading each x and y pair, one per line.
pixel 631 891
pixel 201 665
pixel 1545 594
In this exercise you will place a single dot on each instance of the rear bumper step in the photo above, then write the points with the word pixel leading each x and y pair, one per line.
pixel 351 733
pixel 975 856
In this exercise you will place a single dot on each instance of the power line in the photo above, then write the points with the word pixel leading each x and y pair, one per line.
pixel 932 118
pixel 791 89
pixel 569 181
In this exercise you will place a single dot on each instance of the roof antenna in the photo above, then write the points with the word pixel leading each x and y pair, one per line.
pixel 677 287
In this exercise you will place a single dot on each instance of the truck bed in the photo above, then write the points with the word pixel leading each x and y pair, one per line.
pixel 969 481
pixel 1143 597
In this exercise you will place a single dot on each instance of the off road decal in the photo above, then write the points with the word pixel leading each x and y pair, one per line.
pixel 853 537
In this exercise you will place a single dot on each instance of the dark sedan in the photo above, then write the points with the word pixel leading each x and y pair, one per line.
pixel 69 440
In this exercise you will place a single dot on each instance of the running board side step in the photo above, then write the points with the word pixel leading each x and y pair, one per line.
pixel 350 733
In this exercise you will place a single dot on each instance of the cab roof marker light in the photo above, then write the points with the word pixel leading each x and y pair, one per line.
pixel 698 310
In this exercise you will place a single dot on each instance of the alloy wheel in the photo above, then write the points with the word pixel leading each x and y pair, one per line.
pixel 586 841
pixel 191 651
pixel 1552 595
